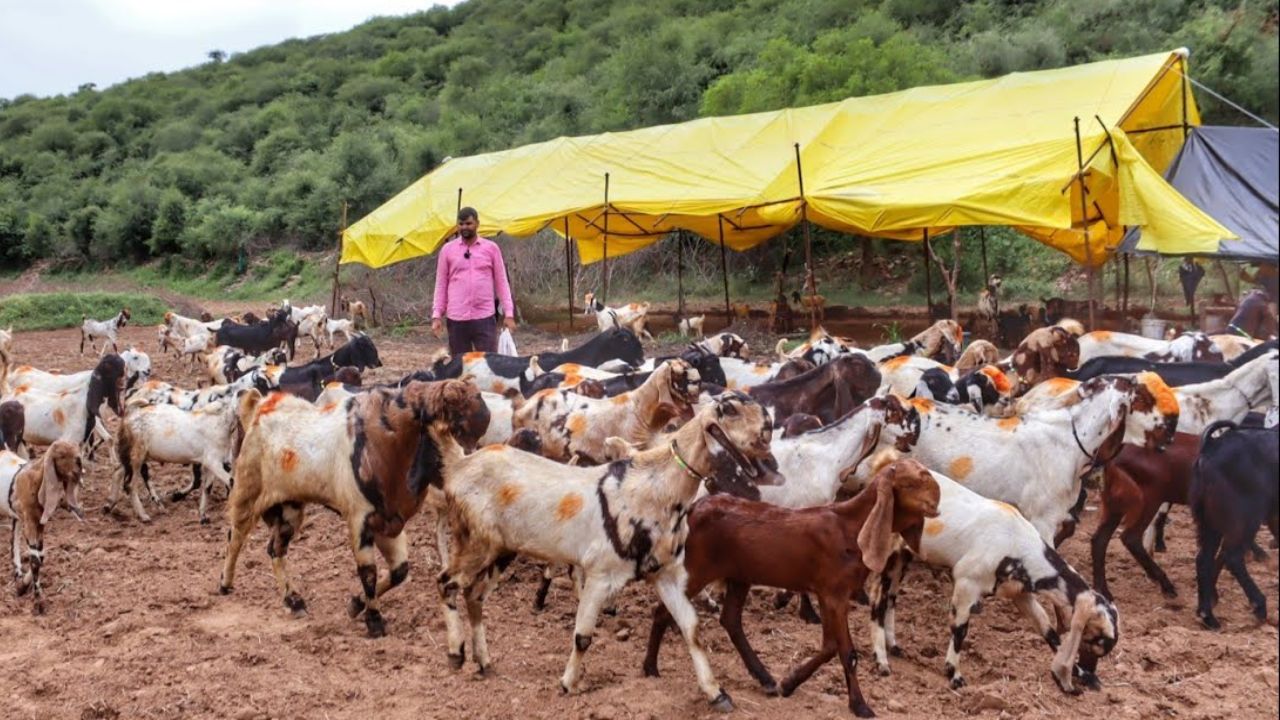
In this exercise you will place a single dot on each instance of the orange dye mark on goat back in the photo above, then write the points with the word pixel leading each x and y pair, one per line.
pixel 1009 423
pixel 329 407
pixel 570 505
pixel 895 363
pixel 288 460
pixel 1101 335
pixel 1006 507
pixel 622 399
pixel 508 494
pixel 59 418
pixel 924 405
pixel 1058 386
pixel 998 379
pixel 22 369
pixel 1166 401
pixel 577 424
pixel 933 527
pixel 960 467
pixel 762 369
pixel 271 404
pixel 496 447
pixel 497 387
pixel 570 369
pixel 473 357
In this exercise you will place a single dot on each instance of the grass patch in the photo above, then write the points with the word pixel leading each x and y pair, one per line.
pixel 52 311
pixel 271 278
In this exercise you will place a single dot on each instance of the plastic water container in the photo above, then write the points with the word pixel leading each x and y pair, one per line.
pixel 1154 328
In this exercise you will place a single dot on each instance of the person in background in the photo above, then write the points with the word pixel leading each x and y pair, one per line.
pixel 1265 277
pixel 1190 273
pixel 469 274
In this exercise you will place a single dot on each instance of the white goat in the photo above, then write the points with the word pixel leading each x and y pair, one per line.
pixel 632 316
pixel 627 525
pixel 692 325
pixel 30 492
pixel 1035 461
pixel 167 434
pixel 991 549
pixel 137 368
pixel 1188 347
pixel 106 330
pixel 334 326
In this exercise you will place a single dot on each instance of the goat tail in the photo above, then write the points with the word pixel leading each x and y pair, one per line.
pixel 1213 432
pixel 780 348
pixel 1199 479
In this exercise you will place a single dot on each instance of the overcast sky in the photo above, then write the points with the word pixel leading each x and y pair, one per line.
pixel 50 47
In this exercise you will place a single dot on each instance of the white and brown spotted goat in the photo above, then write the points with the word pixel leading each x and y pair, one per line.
pixel 573 426
pixel 370 458
pixel 30 492
pixel 106 330
pixel 618 523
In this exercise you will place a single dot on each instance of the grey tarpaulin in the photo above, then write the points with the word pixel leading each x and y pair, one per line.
pixel 1231 173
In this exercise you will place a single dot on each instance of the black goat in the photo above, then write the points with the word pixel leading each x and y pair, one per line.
pixel 612 344
pixel 1233 492
pixel 360 354
pixel 260 337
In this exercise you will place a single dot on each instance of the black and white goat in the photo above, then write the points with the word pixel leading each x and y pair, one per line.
pixel 105 330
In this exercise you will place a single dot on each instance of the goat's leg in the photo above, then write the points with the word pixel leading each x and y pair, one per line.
pixel 1101 538
pixel 1032 611
pixel 671 588
pixel 35 555
pixel 1206 576
pixel 966 594
pixel 596 591
pixel 735 596
pixel 240 518
pixel 465 568
pixel 145 471
pixel 365 555
pixel 474 598
pixel 657 629
pixel 884 589
pixel 284 520
pixel 196 480
pixel 540 598
pixel 807 612
pixel 21 583
pixel 1153 538
pixel 216 469
pixel 835 621
pixel 806 669
pixel 131 490
pixel 1235 564
pixel 1132 539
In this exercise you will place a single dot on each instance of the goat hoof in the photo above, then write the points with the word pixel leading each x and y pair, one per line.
pixel 37 608
pixel 483 671
pixel 896 651
pixel 787 688
pixel 224 589
pixel 455 660
pixel 1209 621
pixel 957 682
pixel 296 604
pixel 1159 547
pixel 651 670
pixel 781 599
pixel 861 709
pixel 722 703
pixel 204 521
pixel 611 611
pixel 374 624
pixel 1260 613
pixel 1169 591
pixel 772 690
pixel 976 609
pixel 355 607
pixel 1090 681
pixel 883 670
pixel 564 689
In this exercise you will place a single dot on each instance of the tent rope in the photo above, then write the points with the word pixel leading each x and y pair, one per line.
pixel 1226 100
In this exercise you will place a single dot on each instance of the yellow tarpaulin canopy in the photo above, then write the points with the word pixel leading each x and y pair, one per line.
pixel 991 152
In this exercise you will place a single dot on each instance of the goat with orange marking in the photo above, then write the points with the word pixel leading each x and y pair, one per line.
pixel 828 550
pixel 372 462
pixel 991 549
pixel 620 523
pixel 30 493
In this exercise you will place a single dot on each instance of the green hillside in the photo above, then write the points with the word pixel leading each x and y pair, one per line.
pixel 258 150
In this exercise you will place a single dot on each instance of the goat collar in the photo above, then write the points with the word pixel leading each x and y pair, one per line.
pixel 1094 461
pixel 675 455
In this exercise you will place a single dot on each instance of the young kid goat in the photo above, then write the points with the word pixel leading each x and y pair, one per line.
pixel 168 434
pixel 828 550
pixel 991 549
pixel 617 523
pixel 92 330
pixel 30 492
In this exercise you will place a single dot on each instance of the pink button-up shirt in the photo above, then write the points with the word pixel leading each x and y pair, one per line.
pixel 465 287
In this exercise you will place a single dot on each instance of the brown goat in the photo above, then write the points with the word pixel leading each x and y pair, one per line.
pixel 13 424
pixel 1045 353
pixel 30 492
pixel 827 392
pixel 827 550
pixel 1136 483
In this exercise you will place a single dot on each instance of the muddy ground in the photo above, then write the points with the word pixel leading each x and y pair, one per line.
pixel 136 629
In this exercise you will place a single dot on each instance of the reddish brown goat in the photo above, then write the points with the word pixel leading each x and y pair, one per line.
pixel 13 423
pixel 828 392
pixel 1135 484
pixel 827 550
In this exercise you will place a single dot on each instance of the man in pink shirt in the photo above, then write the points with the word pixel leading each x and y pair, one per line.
pixel 469 274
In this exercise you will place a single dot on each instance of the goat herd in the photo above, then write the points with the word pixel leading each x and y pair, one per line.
pixel 698 470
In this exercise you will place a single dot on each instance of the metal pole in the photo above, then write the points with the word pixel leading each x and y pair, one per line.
pixel 1124 304
pixel 724 273
pixel 928 278
pixel 605 273
pixel 1084 224
pixel 459 200
pixel 810 280
pixel 568 269
pixel 337 261
pixel 1186 127
pixel 679 275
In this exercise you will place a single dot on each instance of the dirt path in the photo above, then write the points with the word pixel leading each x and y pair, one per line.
pixel 135 629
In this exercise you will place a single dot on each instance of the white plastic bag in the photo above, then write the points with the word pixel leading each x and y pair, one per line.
pixel 506 343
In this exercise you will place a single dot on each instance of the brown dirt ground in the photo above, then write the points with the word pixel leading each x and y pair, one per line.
pixel 136 629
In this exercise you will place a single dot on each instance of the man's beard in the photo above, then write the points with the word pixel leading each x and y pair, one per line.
pixel 468 234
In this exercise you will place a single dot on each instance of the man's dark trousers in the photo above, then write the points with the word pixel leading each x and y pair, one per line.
pixel 473 335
